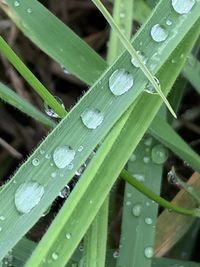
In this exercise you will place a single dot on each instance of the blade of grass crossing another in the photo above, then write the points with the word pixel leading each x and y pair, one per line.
pixel 100 175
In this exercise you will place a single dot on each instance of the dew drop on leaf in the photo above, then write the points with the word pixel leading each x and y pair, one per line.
pixel 148 252
pixel 63 156
pixel 35 162
pixel 183 6
pixel 92 118
pixel 168 22
pixel 137 210
pixel 29 10
pixel 27 196
pixel 158 33
pixel 148 220
pixel 16 3
pixel 120 82
pixel 139 177
pixel 116 254
pixel 49 111
pixel 68 235
pixel 54 256
pixel 65 192
pixel 159 154
pixel 142 57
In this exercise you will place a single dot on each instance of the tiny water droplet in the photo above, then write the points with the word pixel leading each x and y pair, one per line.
pixel 159 154
pixel 63 156
pixel 42 151
pixel 148 252
pixel 65 192
pixel 68 235
pixel 47 156
pixel 54 174
pixel 150 89
pixel 2 218
pixel 148 141
pixel 158 33
pixel 35 162
pixel 142 57
pixel 183 6
pixel 81 170
pixel 148 220
pixel 137 210
pixel 81 247
pixel 29 10
pixel 129 195
pixel 92 118
pixel 80 149
pixel 49 111
pixel 172 178
pixel 132 158
pixel 168 22
pixel 128 203
pixel 120 82
pixel 139 177
pixel 27 196
pixel 70 166
pixel 116 254
pixel 64 69
pixel 146 160
pixel 54 256
pixel 16 3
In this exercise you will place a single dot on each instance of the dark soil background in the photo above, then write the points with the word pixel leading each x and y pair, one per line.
pixel 23 133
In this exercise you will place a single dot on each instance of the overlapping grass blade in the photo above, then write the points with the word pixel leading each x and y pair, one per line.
pixel 55 39
pixel 112 107
pixel 100 175
pixel 10 97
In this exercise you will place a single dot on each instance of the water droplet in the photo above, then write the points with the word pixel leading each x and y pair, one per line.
pixel 150 89
pixel 139 177
pixel 148 141
pixel 80 149
pixel 142 57
pixel 158 33
pixel 47 156
pixel 2 218
pixel 183 6
pixel 65 192
pixel 128 203
pixel 146 159
pixel 168 22
pixel 81 170
pixel 148 252
pixel 159 154
pixel 64 69
pixel 35 162
pixel 172 178
pixel 63 156
pixel 42 151
pixel 147 204
pixel 129 195
pixel 54 174
pixel 116 254
pixel 132 157
pixel 92 118
pixel 27 196
pixel 68 235
pixel 49 111
pixel 120 82
pixel 148 220
pixel 70 166
pixel 29 10
pixel 54 256
pixel 81 247
pixel 136 210
pixel 16 3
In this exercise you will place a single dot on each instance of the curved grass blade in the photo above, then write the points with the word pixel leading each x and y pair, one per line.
pixel 55 39
pixel 10 97
pixel 100 175
pixel 133 53
pixel 112 107
pixel 30 78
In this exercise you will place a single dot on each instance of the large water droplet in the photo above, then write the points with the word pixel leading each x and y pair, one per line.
pixel 27 196
pixel 49 111
pixel 92 118
pixel 65 192
pixel 183 6
pixel 136 210
pixel 159 154
pixel 120 82
pixel 148 252
pixel 142 57
pixel 159 33
pixel 63 156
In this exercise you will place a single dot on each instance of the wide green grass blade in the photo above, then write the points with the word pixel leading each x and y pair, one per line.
pixel 139 213
pixel 10 97
pixel 112 107
pixel 100 175
pixel 55 39
pixel 47 97
pixel 191 72
pixel 162 131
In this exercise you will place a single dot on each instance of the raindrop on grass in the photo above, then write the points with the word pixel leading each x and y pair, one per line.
pixel 148 220
pixel 70 166
pixel 63 156
pixel 35 162
pixel 29 10
pixel 148 141
pixel 158 33
pixel 159 154
pixel 146 160
pixel 139 177
pixel 183 6
pixel 49 111
pixel 172 178
pixel 92 118
pixel 16 3
pixel 137 210
pixel 65 70
pixel 116 254
pixel 27 196
pixel 142 57
pixel 65 192
pixel 80 149
pixel 2 218
pixel 150 89
pixel 132 158
pixel 168 22
pixel 148 252
pixel 120 82
pixel 54 256
pixel 80 171
pixel 68 235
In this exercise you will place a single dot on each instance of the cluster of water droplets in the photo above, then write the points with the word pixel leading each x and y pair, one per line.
pixel 17 3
